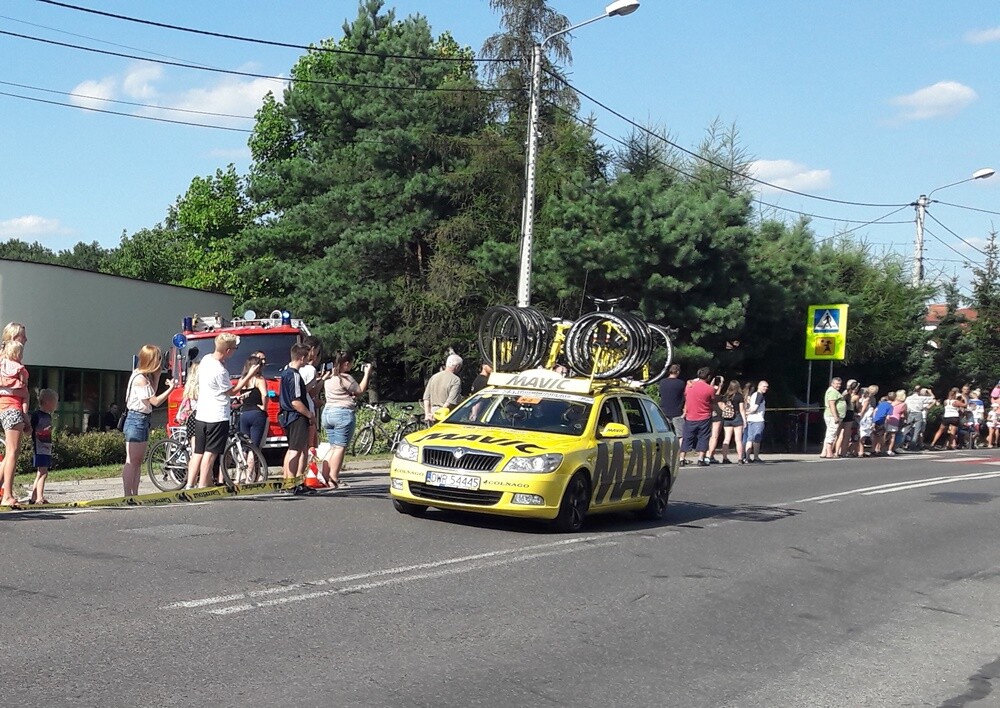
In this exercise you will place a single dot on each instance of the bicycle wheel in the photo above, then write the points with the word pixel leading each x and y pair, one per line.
pixel 364 441
pixel 406 430
pixel 256 470
pixel 167 464
pixel 242 463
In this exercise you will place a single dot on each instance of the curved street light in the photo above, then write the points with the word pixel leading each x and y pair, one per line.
pixel 923 201
pixel 618 8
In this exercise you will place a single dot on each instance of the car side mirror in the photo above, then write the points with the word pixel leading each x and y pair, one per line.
pixel 614 430
pixel 441 413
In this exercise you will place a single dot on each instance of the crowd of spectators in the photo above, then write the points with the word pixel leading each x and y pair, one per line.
pixel 861 423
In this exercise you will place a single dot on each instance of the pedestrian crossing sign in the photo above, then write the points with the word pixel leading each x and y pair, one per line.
pixel 826 321
pixel 826 332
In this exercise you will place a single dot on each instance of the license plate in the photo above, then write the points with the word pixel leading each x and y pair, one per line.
pixel 455 481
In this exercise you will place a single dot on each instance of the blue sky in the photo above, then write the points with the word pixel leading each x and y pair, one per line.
pixel 854 101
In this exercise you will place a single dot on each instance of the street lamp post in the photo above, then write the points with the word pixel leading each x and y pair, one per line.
pixel 923 201
pixel 618 8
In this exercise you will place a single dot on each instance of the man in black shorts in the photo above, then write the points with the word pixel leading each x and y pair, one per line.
pixel 295 416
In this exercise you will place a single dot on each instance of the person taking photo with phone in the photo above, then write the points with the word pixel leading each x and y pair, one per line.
pixel 340 412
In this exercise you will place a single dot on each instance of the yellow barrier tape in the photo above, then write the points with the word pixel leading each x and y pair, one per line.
pixel 160 498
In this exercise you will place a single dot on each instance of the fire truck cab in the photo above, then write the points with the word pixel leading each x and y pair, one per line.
pixel 273 335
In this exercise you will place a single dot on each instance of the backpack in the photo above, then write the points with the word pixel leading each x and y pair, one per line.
pixel 728 411
pixel 183 411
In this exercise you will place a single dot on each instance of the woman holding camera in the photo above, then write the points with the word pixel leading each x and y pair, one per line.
pixel 339 413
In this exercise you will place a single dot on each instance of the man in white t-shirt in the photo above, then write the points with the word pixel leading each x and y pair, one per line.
pixel 211 418
pixel 754 431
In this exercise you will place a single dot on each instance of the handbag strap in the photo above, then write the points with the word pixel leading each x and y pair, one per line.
pixel 128 389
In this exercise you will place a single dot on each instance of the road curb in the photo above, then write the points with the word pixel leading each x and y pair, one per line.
pixel 161 498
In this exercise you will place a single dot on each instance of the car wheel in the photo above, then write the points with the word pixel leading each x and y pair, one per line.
pixel 407 508
pixel 574 505
pixel 656 507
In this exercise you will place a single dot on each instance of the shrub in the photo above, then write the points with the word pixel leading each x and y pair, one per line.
pixel 82 450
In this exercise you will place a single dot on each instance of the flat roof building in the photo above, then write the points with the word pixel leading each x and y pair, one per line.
pixel 85 328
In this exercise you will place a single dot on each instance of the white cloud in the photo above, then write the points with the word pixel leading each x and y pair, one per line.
pixel 96 90
pixel 231 95
pixel 944 98
pixel 138 82
pixel 983 36
pixel 790 175
pixel 31 227
pixel 143 83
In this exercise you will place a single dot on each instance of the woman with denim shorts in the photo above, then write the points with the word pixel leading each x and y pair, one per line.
pixel 140 399
pixel 342 392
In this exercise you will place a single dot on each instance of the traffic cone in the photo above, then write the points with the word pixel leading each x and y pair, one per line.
pixel 314 480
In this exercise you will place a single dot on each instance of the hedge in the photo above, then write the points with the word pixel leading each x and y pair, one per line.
pixel 86 450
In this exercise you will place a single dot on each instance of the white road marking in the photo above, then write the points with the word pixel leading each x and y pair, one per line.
pixel 828 501
pixel 246 607
pixel 917 485
pixel 373 574
pixel 901 486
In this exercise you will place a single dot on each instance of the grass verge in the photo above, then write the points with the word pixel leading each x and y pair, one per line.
pixel 78 474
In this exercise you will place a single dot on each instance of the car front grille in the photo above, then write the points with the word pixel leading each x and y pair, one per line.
pixel 470 461
pixel 460 496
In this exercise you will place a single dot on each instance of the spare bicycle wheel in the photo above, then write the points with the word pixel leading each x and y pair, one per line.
pixel 513 338
pixel 608 345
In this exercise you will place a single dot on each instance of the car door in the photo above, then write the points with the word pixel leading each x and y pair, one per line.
pixel 612 455
pixel 667 444
pixel 644 450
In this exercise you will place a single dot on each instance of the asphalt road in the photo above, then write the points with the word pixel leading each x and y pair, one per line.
pixel 840 583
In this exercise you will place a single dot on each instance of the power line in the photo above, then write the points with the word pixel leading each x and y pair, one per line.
pixel 730 170
pixel 959 206
pixel 125 103
pixel 879 220
pixel 249 74
pixel 127 115
pixel 946 245
pixel 254 40
pixel 92 39
pixel 974 248
pixel 354 141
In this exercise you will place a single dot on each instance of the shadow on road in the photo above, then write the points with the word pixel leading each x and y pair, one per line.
pixel 679 514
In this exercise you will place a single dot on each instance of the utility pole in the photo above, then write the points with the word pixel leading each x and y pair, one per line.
pixel 918 251
pixel 617 8
pixel 921 205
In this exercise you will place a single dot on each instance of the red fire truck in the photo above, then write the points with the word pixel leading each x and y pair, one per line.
pixel 273 335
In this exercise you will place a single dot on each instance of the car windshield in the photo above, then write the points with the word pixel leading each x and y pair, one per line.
pixel 274 345
pixel 525 410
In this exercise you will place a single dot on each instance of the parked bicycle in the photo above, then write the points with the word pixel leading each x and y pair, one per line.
pixel 242 462
pixel 384 425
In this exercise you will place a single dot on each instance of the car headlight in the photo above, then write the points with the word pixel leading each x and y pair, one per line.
pixel 407 451
pixel 536 463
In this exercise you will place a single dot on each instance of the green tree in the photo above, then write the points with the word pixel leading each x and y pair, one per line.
pixel 86 256
pixel 208 222
pixel 947 349
pixel 153 255
pixel 359 171
pixel 524 23
pixel 17 250
pixel 984 331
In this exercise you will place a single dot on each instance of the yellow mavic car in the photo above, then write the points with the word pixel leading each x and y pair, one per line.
pixel 535 444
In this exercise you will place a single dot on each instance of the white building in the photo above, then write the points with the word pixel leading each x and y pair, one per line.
pixel 85 328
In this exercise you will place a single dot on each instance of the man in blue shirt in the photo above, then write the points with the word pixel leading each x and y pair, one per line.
pixel 295 416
